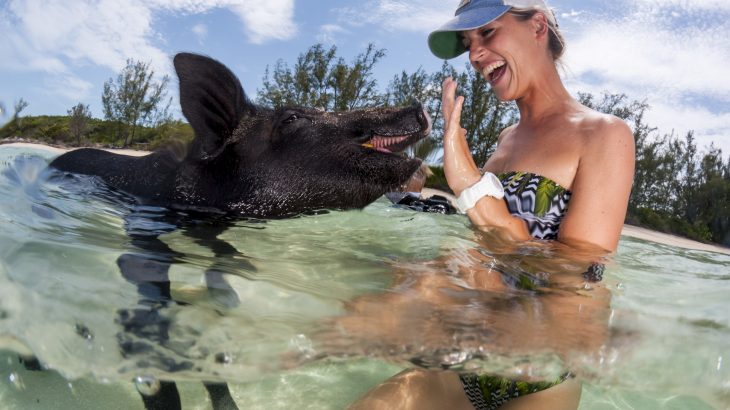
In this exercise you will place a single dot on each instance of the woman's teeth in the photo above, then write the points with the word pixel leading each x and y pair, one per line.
pixel 488 70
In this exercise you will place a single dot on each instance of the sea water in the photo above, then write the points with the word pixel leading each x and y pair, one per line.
pixel 329 305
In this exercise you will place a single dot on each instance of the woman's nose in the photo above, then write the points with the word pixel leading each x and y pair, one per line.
pixel 477 54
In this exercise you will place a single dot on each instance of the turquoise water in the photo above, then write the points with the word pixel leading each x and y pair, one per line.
pixel 332 304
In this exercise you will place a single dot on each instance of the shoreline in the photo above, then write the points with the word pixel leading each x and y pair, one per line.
pixel 628 230
pixel 669 239
pixel 60 150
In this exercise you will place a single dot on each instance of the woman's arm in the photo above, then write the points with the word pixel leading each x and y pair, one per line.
pixel 461 172
pixel 601 187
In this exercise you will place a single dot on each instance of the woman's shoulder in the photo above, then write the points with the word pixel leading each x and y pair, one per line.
pixel 506 132
pixel 599 130
pixel 607 144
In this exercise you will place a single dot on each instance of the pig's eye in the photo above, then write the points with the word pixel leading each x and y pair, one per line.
pixel 291 119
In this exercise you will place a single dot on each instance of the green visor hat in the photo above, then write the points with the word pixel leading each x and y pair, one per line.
pixel 446 43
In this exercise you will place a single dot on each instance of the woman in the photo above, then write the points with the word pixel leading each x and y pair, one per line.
pixel 563 172
pixel 590 155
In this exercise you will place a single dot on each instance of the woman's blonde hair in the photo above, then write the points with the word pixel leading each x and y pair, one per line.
pixel 556 42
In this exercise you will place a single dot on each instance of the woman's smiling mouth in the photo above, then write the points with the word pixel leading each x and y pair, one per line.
pixel 493 72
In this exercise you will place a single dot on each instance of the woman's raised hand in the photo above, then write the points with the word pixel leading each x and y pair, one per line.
pixel 459 168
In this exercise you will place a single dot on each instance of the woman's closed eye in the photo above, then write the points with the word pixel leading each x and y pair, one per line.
pixel 464 41
pixel 483 33
pixel 486 32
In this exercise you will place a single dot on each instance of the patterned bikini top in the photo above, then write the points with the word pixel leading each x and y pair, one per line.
pixel 538 200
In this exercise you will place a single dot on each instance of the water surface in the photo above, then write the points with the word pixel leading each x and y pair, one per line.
pixel 329 305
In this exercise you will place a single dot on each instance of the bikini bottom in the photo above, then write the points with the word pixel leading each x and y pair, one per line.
pixel 487 392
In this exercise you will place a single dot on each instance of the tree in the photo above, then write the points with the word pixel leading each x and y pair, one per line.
pixel 709 200
pixel 2 109
pixel 424 88
pixel 135 99
pixel 321 80
pixel 79 116
pixel 20 105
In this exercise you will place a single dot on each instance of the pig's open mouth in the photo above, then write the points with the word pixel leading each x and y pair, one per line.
pixel 391 141
pixel 394 144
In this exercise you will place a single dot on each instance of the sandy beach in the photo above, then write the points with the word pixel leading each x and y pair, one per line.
pixel 628 230
pixel 654 236
pixel 59 151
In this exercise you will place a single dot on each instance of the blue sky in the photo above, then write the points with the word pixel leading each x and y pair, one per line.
pixel 675 54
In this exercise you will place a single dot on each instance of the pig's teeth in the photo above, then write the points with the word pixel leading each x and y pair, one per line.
pixel 383 142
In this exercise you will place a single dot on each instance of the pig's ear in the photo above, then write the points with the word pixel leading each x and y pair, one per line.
pixel 213 102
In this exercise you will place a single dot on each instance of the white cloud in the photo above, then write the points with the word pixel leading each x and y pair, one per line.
pixel 638 56
pixel 200 31
pixel 671 53
pixel 709 127
pixel 328 33
pixel 572 15
pixel 69 87
pixel 266 20
pixel 262 20
pixel 105 33
pixel 706 5
pixel 399 15
pixel 56 36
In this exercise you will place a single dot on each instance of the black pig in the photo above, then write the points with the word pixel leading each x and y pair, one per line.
pixel 244 161
pixel 258 162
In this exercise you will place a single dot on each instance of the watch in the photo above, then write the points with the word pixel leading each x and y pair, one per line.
pixel 489 185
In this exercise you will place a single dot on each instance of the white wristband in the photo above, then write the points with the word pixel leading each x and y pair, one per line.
pixel 488 185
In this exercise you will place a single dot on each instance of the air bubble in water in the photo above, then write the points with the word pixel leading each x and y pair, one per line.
pixel 16 381
pixel 303 345
pixel 223 358
pixel 147 385
pixel 454 358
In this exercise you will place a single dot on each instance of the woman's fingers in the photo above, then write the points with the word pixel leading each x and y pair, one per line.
pixel 448 92
pixel 454 134
pixel 459 167
pixel 455 116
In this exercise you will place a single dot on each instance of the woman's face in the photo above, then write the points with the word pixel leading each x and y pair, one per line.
pixel 504 53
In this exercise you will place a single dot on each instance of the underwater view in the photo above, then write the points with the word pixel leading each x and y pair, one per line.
pixel 312 312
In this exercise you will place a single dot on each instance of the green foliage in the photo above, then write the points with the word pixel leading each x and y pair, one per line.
pixel 36 128
pixel 665 222
pixel 169 133
pixel 406 89
pixel 322 80
pixel 79 116
pixel 16 122
pixel 20 105
pixel 56 130
pixel 135 99
pixel 437 179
